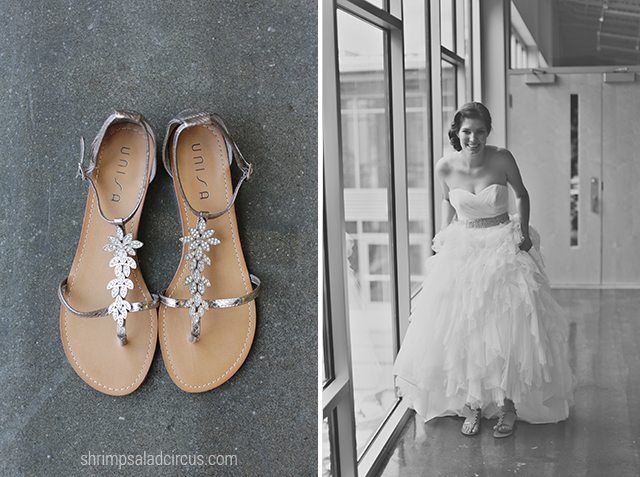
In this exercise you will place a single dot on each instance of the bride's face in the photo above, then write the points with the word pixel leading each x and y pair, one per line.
pixel 473 135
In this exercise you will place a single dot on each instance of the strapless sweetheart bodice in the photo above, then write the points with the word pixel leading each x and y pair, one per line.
pixel 491 201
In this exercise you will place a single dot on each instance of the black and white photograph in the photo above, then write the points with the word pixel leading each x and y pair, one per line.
pixel 480 245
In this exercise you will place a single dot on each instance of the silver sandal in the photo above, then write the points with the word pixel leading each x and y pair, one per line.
pixel 120 166
pixel 472 420
pixel 212 281
pixel 507 411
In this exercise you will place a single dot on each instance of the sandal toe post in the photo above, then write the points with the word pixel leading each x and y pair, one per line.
pixel 207 316
pixel 108 320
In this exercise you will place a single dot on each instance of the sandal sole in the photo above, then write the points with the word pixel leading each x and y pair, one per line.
pixel 502 435
pixel 470 435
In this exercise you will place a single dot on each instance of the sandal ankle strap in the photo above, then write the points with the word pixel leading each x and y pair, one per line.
pixel 503 410
pixel 86 165
pixel 187 119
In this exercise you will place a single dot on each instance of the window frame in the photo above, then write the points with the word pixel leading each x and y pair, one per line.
pixel 467 17
pixel 337 393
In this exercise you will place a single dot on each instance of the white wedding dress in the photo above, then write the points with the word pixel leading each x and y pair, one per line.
pixel 485 326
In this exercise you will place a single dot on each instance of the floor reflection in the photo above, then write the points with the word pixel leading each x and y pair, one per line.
pixel 601 436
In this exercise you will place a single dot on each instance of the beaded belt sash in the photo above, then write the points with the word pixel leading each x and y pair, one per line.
pixel 485 222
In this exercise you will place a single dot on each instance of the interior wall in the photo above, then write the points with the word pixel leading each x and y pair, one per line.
pixel 494 15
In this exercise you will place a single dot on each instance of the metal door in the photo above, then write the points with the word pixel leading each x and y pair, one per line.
pixel 555 134
pixel 621 176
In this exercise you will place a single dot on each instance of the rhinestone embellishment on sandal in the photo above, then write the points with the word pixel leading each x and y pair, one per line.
pixel 123 248
pixel 198 242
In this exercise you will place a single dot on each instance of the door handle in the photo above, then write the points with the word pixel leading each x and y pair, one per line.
pixel 595 195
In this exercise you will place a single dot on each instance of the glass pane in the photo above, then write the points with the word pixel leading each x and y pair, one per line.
pixel 326 449
pixel 449 100
pixel 378 3
pixel 353 256
pixel 325 356
pixel 324 366
pixel 572 33
pixel 447 24
pixel 327 368
pixel 373 226
pixel 379 259
pixel 415 255
pixel 380 292
pixel 366 152
pixel 418 132
pixel 417 226
pixel 349 148
pixel 574 187
pixel 327 343
pixel 463 39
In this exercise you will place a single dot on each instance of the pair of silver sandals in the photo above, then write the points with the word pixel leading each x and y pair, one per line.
pixel 206 318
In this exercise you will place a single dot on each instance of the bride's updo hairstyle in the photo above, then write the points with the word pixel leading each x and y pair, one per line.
pixel 468 111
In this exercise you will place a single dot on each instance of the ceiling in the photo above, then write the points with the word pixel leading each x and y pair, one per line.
pixel 597 32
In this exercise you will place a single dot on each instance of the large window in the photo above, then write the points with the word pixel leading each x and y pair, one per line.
pixel 448 24
pixel 418 136
pixel 454 76
pixel 366 167
pixel 367 239
pixel 379 111
pixel 449 79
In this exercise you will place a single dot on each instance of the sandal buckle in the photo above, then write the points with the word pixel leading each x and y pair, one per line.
pixel 81 172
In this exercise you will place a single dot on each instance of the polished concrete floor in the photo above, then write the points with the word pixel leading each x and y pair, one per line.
pixel 601 436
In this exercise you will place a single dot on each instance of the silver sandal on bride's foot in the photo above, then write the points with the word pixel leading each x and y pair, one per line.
pixel 506 420
pixel 471 424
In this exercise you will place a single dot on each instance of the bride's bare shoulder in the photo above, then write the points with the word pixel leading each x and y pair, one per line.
pixel 445 165
pixel 500 154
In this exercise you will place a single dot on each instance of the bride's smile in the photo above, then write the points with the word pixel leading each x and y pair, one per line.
pixel 473 135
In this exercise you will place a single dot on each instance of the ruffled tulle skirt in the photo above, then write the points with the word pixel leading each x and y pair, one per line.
pixel 484 328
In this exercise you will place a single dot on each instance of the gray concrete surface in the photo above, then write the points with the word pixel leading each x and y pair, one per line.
pixel 63 67
pixel 601 437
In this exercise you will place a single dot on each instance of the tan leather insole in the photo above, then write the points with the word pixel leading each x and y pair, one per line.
pixel 91 344
pixel 226 334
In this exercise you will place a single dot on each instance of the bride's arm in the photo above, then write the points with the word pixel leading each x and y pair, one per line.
pixel 447 211
pixel 522 196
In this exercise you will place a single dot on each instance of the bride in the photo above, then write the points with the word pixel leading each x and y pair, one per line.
pixel 486 337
